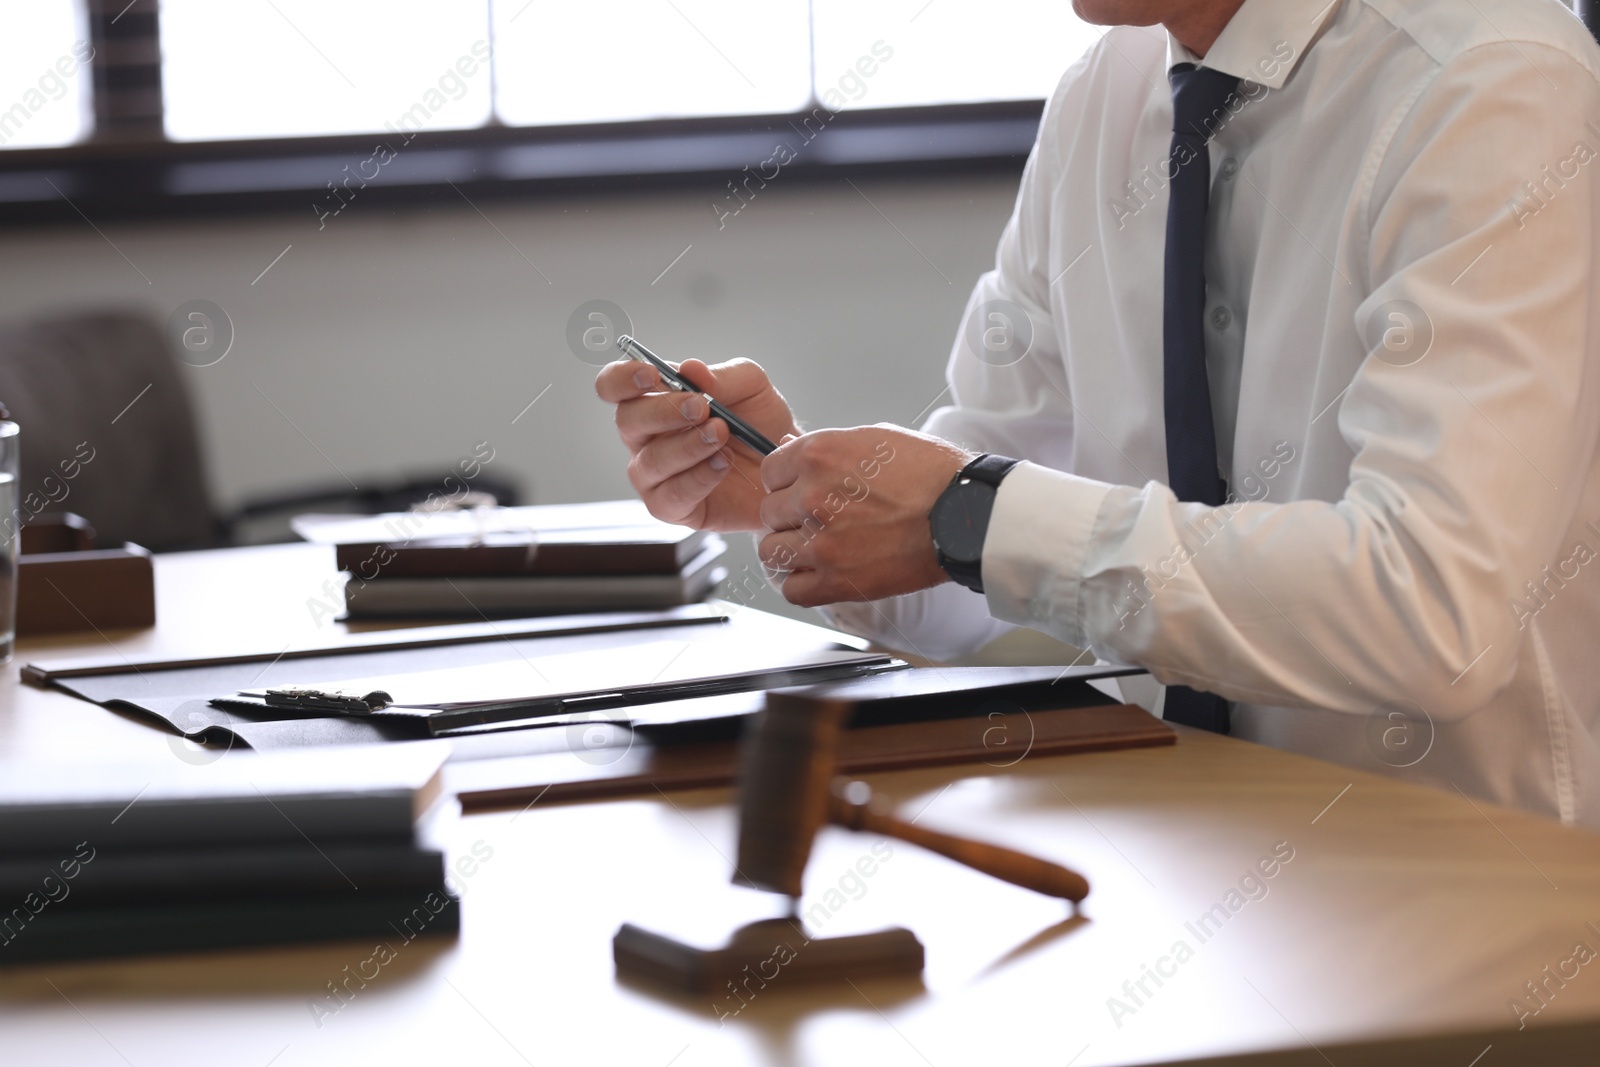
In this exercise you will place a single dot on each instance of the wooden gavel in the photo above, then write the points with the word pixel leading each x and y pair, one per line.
pixel 1006 864
pixel 787 793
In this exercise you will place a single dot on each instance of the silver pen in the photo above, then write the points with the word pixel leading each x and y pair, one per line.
pixel 752 437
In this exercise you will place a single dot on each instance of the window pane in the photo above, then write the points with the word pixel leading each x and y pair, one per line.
pixel 44 74
pixel 611 60
pixel 941 52
pixel 282 68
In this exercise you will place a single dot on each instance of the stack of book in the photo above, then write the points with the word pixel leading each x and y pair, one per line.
pixel 247 850
pixel 611 556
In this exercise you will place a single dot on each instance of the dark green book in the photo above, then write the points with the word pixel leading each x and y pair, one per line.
pixel 115 877
pixel 60 931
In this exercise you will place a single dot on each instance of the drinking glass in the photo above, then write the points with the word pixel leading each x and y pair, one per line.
pixel 11 532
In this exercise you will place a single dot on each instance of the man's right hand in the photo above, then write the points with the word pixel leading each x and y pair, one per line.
pixel 684 466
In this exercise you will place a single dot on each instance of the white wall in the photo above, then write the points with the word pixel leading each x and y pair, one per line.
pixel 396 339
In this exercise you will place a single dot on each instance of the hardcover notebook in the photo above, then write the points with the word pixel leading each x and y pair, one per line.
pixel 329 795
pixel 478 592
pixel 610 537
pixel 246 849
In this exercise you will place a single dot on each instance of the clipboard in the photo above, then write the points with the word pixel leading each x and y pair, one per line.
pixel 519 690
pixel 43 674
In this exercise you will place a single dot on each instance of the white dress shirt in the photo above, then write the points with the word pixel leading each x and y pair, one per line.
pixel 1404 363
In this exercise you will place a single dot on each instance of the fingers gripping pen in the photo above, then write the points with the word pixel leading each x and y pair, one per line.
pixel 677 382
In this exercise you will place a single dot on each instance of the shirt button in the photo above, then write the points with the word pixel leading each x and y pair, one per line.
pixel 1220 318
pixel 1230 167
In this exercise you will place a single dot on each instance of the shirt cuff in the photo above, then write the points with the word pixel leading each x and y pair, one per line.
pixel 1035 548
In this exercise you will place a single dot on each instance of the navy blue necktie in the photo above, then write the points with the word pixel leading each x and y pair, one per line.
pixel 1199 106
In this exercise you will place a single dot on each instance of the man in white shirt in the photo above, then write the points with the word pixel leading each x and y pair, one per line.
pixel 1395 323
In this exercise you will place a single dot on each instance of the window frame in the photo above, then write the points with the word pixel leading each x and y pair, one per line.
pixel 128 169
pixel 127 179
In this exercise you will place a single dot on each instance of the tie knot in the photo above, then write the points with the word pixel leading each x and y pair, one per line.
pixel 1200 100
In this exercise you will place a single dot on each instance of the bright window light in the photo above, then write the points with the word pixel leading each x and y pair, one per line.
pixel 941 52
pixel 286 68
pixel 559 61
pixel 245 69
pixel 44 74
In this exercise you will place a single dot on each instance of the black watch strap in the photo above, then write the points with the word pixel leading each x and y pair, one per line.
pixel 990 470
pixel 967 574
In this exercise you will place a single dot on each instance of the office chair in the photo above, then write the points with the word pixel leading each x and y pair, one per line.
pixel 105 386
pixel 107 429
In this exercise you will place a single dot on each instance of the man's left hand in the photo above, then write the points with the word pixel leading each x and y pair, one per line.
pixel 849 512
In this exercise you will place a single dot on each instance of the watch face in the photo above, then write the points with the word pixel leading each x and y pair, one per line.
pixel 960 520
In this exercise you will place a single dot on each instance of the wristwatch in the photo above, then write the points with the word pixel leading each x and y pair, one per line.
pixel 959 520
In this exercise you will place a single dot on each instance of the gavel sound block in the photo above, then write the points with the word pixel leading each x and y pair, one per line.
pixel 65 585
pixel 787 792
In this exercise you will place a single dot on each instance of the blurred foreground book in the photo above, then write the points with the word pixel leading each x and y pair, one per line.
pixel 248 849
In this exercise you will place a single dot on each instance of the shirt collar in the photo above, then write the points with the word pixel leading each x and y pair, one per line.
pixel 1263 42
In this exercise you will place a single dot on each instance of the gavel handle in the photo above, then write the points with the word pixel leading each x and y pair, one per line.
pixel 1009 865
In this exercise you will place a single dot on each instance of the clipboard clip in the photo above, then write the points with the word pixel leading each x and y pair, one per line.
pixel 314 698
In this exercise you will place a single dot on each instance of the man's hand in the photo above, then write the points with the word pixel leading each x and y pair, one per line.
pixel 684 466
pixel 849 512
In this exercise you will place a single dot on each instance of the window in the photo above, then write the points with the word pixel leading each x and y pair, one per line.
pixel 265 104
pixel 616 60
pixel 944 52
pixel 44 75
pixel 278 68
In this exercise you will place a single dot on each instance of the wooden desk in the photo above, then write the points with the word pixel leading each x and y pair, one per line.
pixel 1397 934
